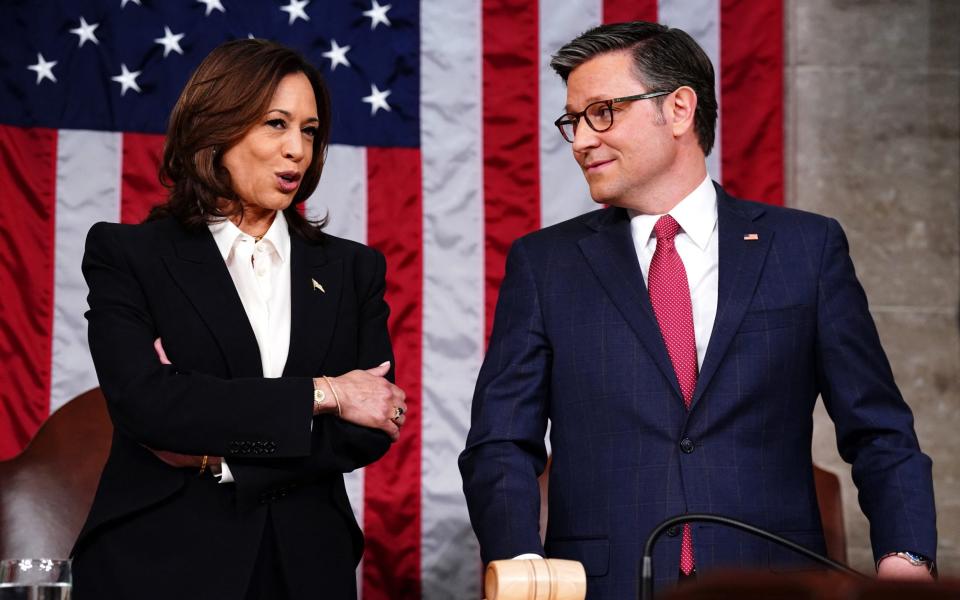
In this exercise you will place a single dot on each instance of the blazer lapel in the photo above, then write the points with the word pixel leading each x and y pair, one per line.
pixel 613 259
pixel 199 270
pixel 743 247
pixel 316 286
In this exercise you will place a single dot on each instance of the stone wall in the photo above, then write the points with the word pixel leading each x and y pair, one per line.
pixel 872 110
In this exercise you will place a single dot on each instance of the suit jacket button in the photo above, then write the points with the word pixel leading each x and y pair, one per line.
pixel 673 531
pixel 686 445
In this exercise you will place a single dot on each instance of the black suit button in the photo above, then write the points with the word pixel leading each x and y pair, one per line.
pixel 686 445
pixel 673 531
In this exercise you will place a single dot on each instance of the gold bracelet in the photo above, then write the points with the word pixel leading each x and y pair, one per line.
pixel 203 464
pixel 336 396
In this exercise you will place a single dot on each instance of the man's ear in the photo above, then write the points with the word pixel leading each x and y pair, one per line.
pixel 683 104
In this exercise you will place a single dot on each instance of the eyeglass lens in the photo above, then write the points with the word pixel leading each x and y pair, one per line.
pixel 599 116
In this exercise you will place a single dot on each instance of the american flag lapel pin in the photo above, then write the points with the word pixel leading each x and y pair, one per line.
pixel 317 286
pixel 751 237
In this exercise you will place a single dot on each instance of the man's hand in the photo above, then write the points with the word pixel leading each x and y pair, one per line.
pixel 898 568
pixel 368 399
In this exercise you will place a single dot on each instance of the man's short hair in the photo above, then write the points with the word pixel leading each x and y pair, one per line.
pixel 664 58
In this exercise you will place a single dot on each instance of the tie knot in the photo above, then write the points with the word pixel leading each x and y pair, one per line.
pixel 666 228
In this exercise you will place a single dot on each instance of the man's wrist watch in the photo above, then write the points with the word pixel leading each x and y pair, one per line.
pixel 917 560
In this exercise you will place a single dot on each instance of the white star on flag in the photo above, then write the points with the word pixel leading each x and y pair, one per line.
pixel 127 79
pixel 212 5
pixel 377 99
pixel 170 42
pixel 337 55
pixel 44 69
pixel 378 14
pixel 85 32
pixel 123 3
pixel 296 10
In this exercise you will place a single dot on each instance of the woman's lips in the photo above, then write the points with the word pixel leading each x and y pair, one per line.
pixel 288 182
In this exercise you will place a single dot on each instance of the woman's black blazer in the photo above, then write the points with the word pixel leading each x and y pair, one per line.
pixel 187 535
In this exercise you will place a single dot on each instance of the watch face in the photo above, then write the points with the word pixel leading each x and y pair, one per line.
pixel 916 560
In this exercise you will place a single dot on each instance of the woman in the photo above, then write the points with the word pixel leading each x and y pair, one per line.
pixel 243 354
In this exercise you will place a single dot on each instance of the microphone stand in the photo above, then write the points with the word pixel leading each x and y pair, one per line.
pixel 646 572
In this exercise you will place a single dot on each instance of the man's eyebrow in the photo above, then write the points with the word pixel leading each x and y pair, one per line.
pixel 588 101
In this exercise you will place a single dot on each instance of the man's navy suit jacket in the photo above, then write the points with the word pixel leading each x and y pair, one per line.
pixel 575 341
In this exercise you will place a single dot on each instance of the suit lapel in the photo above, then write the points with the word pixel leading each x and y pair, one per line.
pixel 613 259
pixel 316 285
pixel 199 270
pixel 741 263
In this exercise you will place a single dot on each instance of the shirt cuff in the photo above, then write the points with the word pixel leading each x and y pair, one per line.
pixel 527 556
pixel 225 475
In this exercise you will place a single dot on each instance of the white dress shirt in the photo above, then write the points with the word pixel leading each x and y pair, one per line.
pixel 261 274
pixel 697 245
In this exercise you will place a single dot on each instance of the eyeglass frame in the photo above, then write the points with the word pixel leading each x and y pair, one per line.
pixel 563 120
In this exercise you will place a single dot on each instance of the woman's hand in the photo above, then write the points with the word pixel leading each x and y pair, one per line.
pixel 172 458
pixel 182 461
pixel 368 399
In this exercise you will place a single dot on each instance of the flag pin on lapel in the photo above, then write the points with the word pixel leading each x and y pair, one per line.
pixel 317 286
pixel 751 237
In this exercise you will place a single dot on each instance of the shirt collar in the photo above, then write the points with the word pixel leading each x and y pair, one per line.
pixel 226 234
pixel 696 214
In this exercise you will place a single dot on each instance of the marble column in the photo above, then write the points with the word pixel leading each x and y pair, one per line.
pixel 873 140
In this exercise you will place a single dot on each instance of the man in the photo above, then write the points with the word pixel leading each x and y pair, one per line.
pixel 677 342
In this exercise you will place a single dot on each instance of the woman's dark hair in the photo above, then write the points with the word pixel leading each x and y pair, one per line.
pixel 664 58
pixel 227 95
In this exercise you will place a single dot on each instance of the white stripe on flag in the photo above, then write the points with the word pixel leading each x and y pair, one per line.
pixel 453 292
pixel 342 193
pixel 701 19
pixel 563 190
pixel 88 190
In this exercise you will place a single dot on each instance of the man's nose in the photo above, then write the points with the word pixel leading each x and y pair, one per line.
pixel 585 137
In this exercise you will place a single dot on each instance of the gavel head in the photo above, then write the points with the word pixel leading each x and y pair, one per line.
pixel 541 579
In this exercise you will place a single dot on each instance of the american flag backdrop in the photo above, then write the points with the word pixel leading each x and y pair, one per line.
pixel 443 152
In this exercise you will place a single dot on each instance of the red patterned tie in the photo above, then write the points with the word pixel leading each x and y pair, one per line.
pixel 670 297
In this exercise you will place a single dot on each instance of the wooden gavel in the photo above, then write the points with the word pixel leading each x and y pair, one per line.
pixel 541 579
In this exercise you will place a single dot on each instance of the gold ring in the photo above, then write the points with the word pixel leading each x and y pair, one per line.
pixel 397 413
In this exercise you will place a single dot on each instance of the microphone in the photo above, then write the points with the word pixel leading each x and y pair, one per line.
pixel 646 570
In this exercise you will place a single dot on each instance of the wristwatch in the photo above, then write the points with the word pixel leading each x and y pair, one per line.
pixel 319 397
pixel 914 559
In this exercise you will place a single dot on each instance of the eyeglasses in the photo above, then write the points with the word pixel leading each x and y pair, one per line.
pixel 598 115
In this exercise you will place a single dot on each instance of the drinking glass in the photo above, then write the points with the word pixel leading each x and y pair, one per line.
pixel 35 579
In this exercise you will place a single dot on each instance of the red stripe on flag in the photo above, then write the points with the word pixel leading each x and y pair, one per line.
pixel 140 180
pixel 751 39
pixel 618 11
pixel 511 140
pixel 391 518
pixel 28 178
